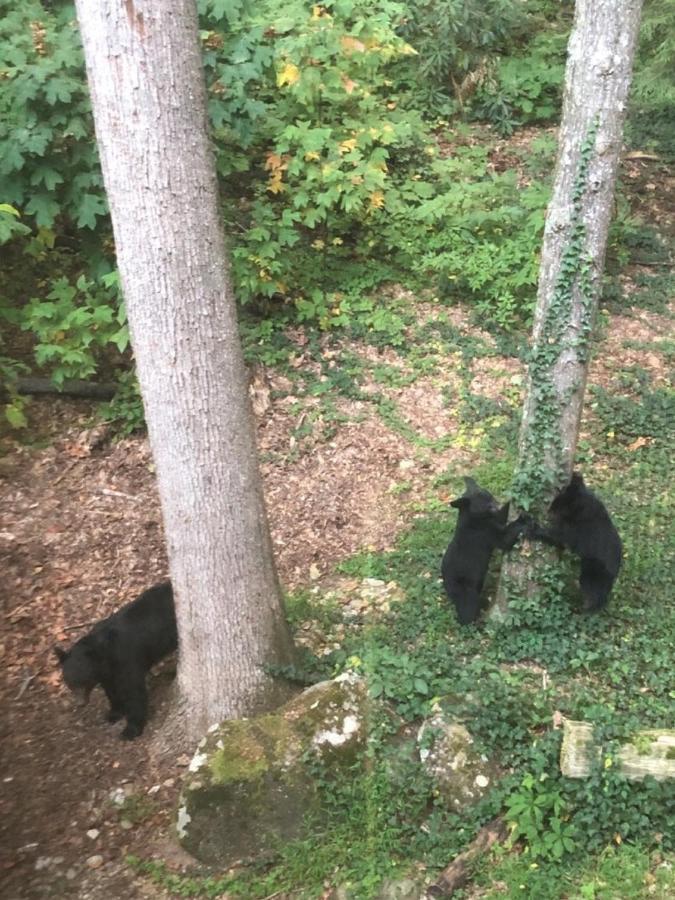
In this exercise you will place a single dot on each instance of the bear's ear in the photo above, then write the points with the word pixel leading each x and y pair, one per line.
pixel 577 481
pixel 60 653
pixel 460 502
pixel 471 486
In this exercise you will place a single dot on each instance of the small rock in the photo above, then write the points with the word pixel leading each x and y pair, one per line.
pixel 153 790
pixel 42 862
pixel 406 464
pixel 169 782
pixel 183 761
pixel 126 824
pixel 70 874
pixel 93 833
pixel 117 796
pixel 314 572
pixel 95 862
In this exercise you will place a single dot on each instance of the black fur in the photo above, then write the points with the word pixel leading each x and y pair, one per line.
pixel 481 527
pixel 118 652
pixel 580 523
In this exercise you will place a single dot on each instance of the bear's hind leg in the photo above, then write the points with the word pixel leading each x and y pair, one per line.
pixel 596 584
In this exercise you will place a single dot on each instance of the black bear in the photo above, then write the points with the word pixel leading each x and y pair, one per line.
pixel 118 652
pixel 580 522
pixel 481 527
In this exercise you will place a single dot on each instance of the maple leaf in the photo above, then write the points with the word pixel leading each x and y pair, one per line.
pixel 288 75
pixel 347 146
pixel 377 200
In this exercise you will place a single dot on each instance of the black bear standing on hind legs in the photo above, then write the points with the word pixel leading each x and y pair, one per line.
pixel 580 522
pixel 481 528
pixel 119 651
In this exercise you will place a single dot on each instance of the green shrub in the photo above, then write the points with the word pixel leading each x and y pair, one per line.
pixel 74 323
pixel 524 88
pixel 456 41
pixel 651 120
pixel 48 161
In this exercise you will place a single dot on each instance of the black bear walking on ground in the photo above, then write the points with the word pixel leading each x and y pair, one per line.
pixel 481 528
pixel 580 522
pixel 118 652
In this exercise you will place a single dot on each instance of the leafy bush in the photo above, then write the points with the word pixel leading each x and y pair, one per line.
pixel 538 815
pixel 48 160
pixel 479 233
pixel 524 88
pixel 651 120
pixel 320 157
pixel 74 322
pixel 456 41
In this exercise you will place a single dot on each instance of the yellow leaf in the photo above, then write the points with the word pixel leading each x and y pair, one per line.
pixel 288 75
pixel 347 146
pixel 276 166
pixel 318 244
pixel 311 154
pixel 352 44
pixel 348 84
pixel 637 443
pixel 377 200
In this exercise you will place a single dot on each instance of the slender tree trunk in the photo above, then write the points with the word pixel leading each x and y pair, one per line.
pixel 146 82
pixel 597 79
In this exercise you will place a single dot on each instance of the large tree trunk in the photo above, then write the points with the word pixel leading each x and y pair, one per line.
pixel 597 78
pixel 146 82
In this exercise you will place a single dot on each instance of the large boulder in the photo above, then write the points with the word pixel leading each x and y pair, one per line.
pixel 248 787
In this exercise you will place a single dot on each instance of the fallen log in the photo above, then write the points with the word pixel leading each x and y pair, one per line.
pixel 87 390
pixel 457 873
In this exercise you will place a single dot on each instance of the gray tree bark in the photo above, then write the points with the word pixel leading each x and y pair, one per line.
pixel 146 83
pixel 597 79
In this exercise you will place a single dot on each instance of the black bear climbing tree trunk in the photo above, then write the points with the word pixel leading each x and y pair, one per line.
pixel 597 79
pixel 147 89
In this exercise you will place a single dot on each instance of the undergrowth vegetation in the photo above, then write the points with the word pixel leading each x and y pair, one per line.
pixel 345 160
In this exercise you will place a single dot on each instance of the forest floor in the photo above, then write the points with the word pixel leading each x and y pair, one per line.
pixel 81 533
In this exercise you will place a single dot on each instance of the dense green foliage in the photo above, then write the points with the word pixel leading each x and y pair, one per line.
pixel 337 173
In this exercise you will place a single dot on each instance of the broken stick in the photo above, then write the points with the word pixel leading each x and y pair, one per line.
pixel 457 873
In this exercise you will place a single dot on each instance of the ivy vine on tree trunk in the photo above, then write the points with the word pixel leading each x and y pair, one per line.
pixel 597 79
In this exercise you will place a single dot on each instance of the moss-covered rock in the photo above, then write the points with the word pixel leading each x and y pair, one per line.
pixel 248 787
pixel 460 774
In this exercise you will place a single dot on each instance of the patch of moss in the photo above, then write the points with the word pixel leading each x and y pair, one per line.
pixel 242 758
